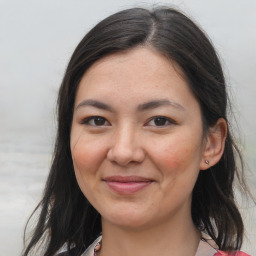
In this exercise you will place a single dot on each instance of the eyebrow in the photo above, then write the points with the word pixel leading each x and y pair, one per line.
pixel 158 103
pixel 142 107
pixel 96 104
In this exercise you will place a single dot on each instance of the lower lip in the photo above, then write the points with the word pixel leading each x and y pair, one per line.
pixel 127 187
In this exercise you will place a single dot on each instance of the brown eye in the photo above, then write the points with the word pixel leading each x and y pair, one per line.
pixel 160 121
pixel 95 121
pixel 99 121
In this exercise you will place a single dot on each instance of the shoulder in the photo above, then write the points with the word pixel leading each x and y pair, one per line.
pixel 207 246
pixel 88 252
pixel 95 246
pixel 71 253
pixel 238 253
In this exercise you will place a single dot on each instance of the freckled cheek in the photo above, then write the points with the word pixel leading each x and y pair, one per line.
pixel 171 160
pixel 85 156
pixel 174 158
pixel 86 161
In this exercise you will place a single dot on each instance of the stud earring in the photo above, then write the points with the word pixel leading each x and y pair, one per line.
pixel 206 161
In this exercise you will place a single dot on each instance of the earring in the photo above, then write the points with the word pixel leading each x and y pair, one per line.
pixel 206 161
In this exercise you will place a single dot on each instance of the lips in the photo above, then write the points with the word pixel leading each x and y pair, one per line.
pixel 127 184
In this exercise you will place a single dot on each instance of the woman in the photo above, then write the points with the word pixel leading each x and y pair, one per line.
pixel 144 159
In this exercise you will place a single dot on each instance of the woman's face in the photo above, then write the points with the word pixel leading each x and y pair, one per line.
pixel 136 139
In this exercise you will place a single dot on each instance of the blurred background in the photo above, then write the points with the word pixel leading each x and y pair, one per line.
pixel 37 39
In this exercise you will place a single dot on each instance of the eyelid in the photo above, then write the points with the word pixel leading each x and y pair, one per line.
pixel 170 121
pixel 86 121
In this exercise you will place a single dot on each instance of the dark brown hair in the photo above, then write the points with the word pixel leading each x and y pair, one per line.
pixel 66 217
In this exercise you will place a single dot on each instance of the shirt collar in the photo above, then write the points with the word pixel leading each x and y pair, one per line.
pixel 206 247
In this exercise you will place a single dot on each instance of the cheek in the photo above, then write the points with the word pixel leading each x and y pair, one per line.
pixel 82 156
pixel 85 155
pixel 171 157
pixel 178 156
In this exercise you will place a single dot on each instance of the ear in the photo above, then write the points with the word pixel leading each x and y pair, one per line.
pixel 214 145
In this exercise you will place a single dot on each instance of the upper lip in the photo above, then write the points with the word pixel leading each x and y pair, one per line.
pixel 126 179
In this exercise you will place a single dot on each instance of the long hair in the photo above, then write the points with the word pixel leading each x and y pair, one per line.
pixel 66 216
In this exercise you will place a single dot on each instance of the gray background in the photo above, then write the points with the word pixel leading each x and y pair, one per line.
pixel 37 39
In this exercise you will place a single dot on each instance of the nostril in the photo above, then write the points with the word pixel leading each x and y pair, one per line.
pixel 120 156
pixel 125 156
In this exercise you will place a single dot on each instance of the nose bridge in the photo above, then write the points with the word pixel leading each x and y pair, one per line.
pixel 126 146
pixel 125 138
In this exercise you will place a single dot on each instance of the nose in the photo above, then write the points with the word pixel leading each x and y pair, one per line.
pixel 126 148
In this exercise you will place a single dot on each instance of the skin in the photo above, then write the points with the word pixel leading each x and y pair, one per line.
pixel 129 140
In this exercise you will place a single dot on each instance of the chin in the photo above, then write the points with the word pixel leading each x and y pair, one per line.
pixel 129 220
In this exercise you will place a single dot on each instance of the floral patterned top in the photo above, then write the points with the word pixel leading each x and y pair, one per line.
pixel 206 247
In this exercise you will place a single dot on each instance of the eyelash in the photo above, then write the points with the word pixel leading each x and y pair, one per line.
pixel 87 120
pixel 164 119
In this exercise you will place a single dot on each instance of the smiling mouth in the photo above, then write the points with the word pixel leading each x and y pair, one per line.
pixel 127 184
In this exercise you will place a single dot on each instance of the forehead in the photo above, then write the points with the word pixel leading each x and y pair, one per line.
pixel 145 59
pixel 134 73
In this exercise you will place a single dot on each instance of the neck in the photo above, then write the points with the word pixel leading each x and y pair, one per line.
pixel 160 239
